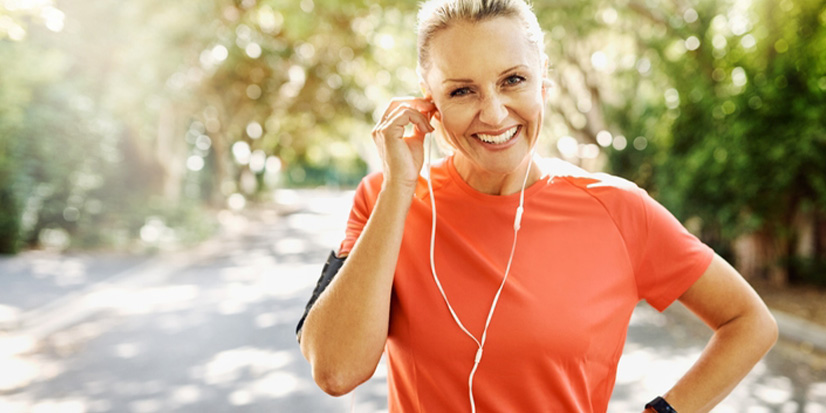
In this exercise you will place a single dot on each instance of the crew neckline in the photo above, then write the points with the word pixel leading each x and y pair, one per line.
pixel 465 187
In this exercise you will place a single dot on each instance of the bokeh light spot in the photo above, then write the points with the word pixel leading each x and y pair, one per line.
pixel 195 163
pixel 253 50
pixel 692 43
pixel 620 142
pixel 604 138
pixel 567 146
pixel 254 130
pixel 241 151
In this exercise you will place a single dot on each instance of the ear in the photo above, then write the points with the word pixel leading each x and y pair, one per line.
pixel 425 90
pixel 547 83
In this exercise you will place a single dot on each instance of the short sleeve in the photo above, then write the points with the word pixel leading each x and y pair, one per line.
pixel 363 203
pixel 669 259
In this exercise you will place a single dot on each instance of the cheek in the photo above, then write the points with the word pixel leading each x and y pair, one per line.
pixel 532 106
pixel 456 118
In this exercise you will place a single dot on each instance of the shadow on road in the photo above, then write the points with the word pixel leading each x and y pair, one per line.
pixel 217 335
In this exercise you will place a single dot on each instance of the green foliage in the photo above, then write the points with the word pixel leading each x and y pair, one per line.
pixel 107 108
pixel 135 117
pixel 807 271
pixel 742 143
pixel 74 160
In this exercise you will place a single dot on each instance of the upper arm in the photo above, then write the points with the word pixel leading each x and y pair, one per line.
pixel 363 203
pixel 721 295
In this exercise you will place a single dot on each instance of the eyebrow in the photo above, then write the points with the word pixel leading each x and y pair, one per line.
pixel 471 81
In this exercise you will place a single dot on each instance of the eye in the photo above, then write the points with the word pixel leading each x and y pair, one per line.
pixel 513 80
pixel 462 91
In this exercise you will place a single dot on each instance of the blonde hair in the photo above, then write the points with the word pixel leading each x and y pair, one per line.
pixel 436 15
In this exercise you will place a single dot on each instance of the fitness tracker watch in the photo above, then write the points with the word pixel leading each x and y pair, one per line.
pixel 659 405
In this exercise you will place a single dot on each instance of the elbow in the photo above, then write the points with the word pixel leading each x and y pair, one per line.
pixel 335 376
pixel 764 331
pixel 772 332
pixel 336 383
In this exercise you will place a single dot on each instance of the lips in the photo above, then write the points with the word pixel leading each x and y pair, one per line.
pixel 498 139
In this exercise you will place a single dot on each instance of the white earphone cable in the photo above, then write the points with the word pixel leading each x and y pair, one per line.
pixel 516 225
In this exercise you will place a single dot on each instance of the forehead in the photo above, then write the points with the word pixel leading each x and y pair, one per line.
pixel 475 50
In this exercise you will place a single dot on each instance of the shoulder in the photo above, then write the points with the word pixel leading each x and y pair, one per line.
pixel 592 182
pixel 368 191
pixel 371 185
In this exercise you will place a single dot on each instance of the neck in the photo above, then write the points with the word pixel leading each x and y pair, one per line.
pixel 494 183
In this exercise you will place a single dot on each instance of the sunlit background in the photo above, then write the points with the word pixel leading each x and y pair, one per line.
pixel 141 126
pixel 124 123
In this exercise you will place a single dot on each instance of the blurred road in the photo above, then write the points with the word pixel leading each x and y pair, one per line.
pixel 212 330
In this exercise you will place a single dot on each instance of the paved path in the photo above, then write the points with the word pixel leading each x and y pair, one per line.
pixel 211 330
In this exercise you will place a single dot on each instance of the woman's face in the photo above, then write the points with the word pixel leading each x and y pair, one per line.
pixel 486 81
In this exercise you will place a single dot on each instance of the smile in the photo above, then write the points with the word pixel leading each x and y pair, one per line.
pixel 498 139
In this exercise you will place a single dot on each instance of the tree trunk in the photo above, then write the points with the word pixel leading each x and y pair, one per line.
pixel 759 255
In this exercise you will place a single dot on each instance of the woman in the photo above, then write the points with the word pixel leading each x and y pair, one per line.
pixel 487 322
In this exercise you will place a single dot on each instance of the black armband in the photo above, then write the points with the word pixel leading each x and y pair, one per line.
pixel 327 274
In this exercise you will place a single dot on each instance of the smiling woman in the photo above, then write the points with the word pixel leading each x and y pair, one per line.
pixel 488 322
pixel 490 106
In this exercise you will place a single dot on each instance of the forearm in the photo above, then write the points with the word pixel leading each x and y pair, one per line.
pixel 344 333
pixel 731 353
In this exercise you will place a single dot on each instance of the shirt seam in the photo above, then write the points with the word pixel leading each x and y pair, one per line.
pixel 619 230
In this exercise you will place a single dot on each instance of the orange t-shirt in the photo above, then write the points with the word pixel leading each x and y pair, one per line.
pixel 585 256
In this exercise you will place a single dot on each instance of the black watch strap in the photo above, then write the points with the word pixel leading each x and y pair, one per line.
pixel 660 406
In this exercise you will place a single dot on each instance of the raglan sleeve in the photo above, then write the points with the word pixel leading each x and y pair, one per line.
pixel 363 202
pixel 668 259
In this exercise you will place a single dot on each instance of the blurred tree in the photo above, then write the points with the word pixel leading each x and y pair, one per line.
pixel 734 135
pixel 300 81
pixel 24 68
pixel 126 116
pixel 84 166
pixel 153 105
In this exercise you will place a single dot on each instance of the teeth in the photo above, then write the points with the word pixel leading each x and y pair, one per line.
pixel 504 137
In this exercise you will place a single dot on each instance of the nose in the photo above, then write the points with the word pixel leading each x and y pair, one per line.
pixel 493 110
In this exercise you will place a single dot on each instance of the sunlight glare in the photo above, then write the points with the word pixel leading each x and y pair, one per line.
pixel 258 161
pixel 254 130
pixel 620 142
pixel 54 19
pixel 241 151
pixel 60 406
pixel 195 163
pixel 253 50
pixel 230 365
pixel 16 372
pixel 599 60
pixel 187 394
pixel 8 316
pixel 692 43
pixel 604 138
pixel 567 146
pixel 236 202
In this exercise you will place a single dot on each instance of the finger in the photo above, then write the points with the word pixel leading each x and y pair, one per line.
pixel 406 115
pixel 424 105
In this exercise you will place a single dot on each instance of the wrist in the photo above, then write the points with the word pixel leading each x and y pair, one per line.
pixel 659 405
pixel 399 188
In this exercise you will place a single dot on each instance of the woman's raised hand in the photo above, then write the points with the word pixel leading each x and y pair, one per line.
pixel 403 156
